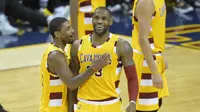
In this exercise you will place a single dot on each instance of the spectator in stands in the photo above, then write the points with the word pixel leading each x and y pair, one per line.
pixel 197 3
pixel 5 27
pixel 19 11
pixel 119 5
pixel 185 6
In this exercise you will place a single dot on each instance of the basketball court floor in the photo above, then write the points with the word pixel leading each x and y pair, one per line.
pixel 20 57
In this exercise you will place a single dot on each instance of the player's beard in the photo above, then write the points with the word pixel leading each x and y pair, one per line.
pixel 70 41
pixel 102 32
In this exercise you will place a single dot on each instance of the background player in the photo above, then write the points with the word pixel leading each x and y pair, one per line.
pixel 81 15
pixel 101 93
pixel 148 43
pixel 55 72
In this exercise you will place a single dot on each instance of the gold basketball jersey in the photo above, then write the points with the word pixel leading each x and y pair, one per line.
pixel 104 83
pixel 85 11
pixel 157 30
pixel 54 91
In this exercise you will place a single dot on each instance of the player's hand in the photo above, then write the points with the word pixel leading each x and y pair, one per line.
pixel 166 64
pixel 157 81
pixel 102 61
pixel 131 107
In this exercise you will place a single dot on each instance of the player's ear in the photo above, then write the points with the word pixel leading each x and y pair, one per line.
pixel 111 21
pixel 57 34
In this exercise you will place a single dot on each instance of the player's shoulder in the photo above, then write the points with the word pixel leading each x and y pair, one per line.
pixel 76 45
pixel 145 3
pixel 123 45
pixel 55 54
pixel 121 41
pixel 77 42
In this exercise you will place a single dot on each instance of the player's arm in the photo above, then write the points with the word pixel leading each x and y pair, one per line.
pixel 71 99
pixel 74 63
pixel 74 16
pixel 124 50
pixel 74 66
pixel 58 64
pixel 144 12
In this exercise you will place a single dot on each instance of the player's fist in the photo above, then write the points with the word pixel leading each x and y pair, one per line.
pixel 157 81
pixel 166 64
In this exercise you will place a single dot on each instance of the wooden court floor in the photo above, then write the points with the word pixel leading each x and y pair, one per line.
pixel 20 88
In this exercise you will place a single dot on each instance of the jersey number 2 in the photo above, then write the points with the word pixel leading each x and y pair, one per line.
pixel 98 73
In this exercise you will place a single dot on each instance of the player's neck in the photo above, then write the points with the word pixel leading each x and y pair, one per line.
pixel 59 44
pixel 99 39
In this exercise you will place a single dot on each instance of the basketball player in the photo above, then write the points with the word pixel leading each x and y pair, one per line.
pixel 101 92
pixel 148 36
pixel 55 73
pixel 81 15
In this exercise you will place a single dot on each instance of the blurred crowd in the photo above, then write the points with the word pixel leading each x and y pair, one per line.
pixel 38 13
pixel 185 6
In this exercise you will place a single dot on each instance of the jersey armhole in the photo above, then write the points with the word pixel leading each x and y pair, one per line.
pixel 80 45
pixel 115 47
pixel 118 57
pixel 153 15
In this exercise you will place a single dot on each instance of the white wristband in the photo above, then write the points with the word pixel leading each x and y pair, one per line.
pixel 132 102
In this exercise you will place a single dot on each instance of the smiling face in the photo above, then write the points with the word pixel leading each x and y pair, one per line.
pixel 101 21
pixel 67 33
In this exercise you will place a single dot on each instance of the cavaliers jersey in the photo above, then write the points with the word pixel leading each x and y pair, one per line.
pixel 157 31
pixel 104 83
pixel 85 11
pixel 54 91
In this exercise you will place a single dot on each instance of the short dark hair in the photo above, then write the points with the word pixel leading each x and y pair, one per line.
pixel 56 24
pixel 104 8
